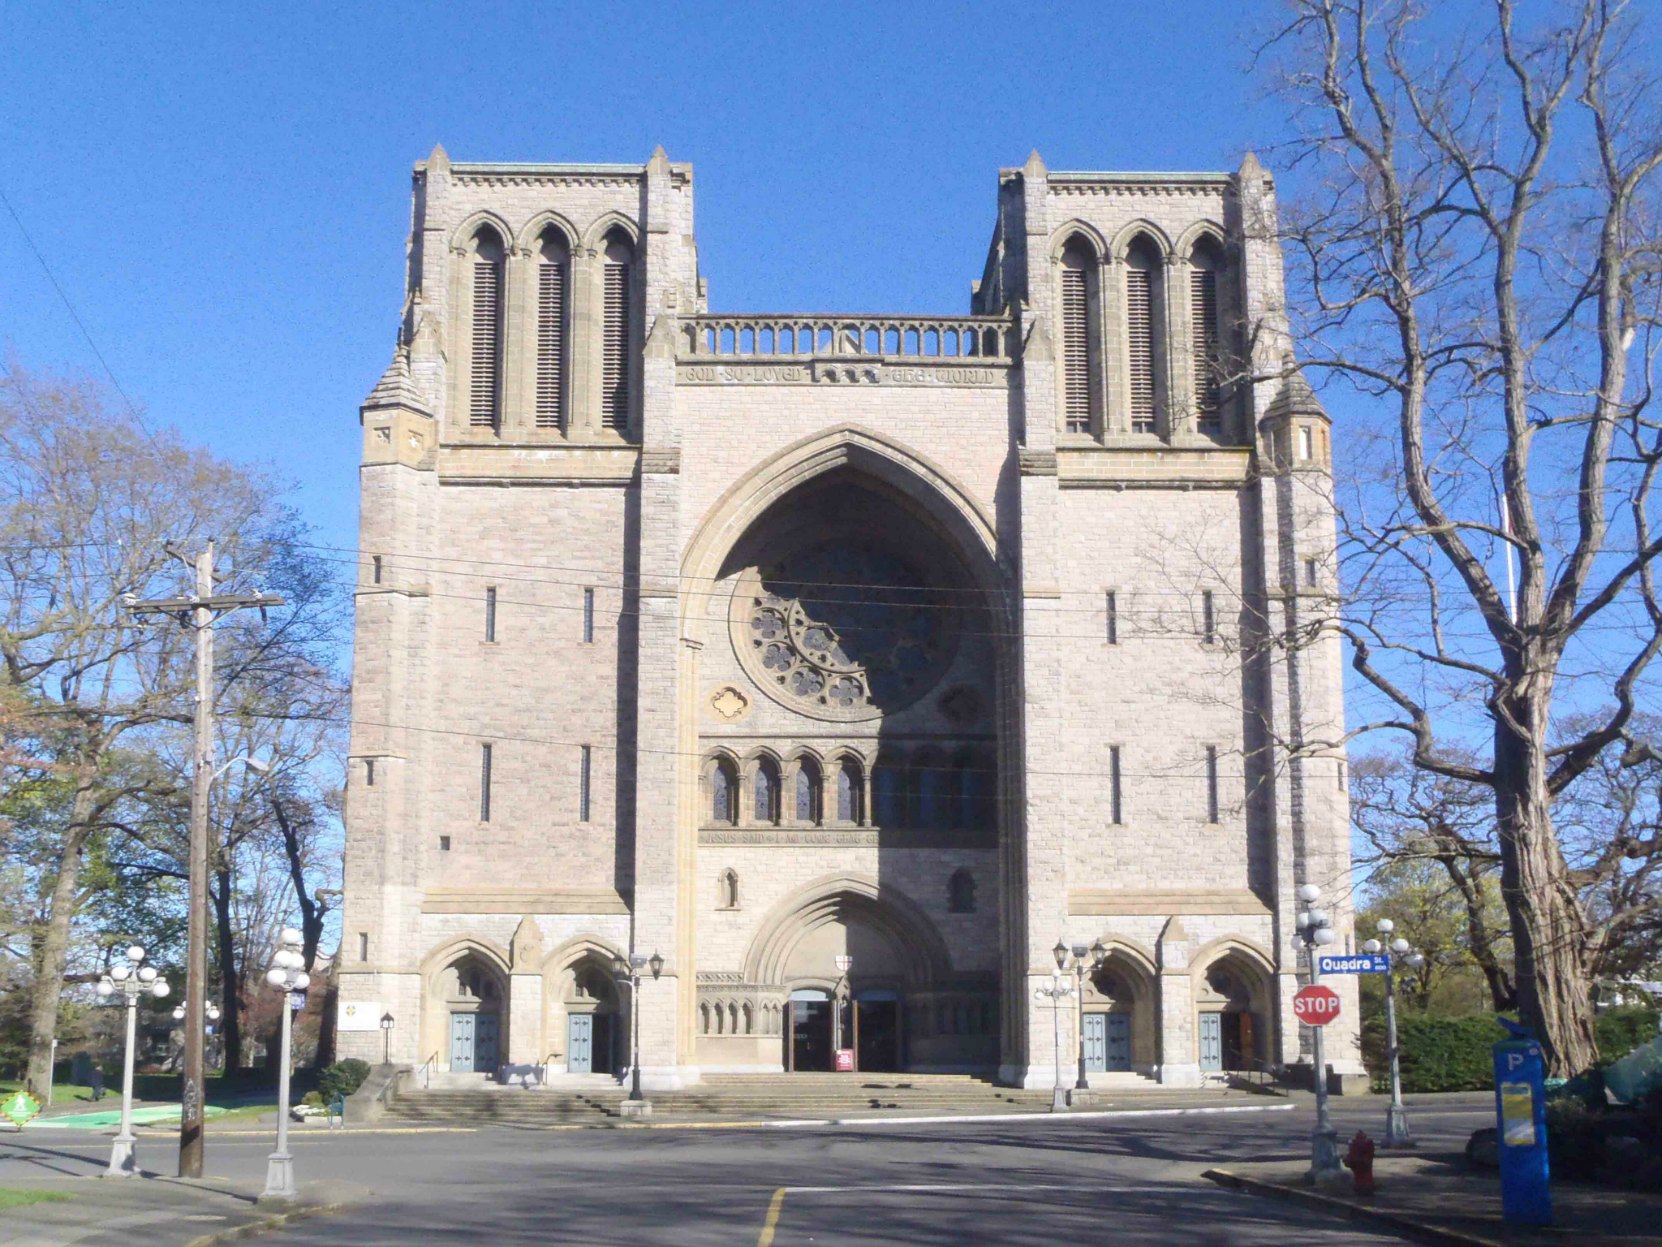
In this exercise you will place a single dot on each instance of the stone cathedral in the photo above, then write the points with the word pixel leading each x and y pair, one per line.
pixel 846 672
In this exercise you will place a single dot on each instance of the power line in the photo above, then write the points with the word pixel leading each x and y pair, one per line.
pixel 75 316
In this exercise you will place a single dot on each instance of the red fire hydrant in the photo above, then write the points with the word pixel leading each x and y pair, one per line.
pixel 1359 1160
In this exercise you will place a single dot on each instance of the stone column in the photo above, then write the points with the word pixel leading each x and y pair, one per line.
pixel 1179 1054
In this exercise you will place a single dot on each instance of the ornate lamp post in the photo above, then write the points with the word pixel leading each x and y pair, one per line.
pixel 629 971
pixel 288 975
pixel 844 963
pixel 1397 1133
pixel 1315 932
pixel 133 980
pixel 386 1039
pixel 1092 957
pixel 1058 991
pixel 211 1013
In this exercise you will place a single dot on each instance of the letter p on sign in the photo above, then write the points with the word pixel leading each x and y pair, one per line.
pixel 1316 1005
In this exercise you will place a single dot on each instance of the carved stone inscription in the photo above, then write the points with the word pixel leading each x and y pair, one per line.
pixel 832 373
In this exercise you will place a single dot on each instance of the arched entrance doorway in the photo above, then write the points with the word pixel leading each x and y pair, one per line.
pixel 1232 1009
pixel 595 1030
pixel 471 994
pixel 1118 1015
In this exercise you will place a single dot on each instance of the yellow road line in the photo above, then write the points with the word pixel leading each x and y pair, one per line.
pixel 765 1239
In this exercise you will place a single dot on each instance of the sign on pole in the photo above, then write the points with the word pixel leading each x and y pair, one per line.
pixel 1316 1005
pixel 20 1108
pixel 1357 963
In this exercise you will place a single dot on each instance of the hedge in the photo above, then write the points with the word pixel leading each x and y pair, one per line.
pixel 342 1078
pixel 1456 1054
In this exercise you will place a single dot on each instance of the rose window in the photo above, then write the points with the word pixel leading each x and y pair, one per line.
pixel 845 629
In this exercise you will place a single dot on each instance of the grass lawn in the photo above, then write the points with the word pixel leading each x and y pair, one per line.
pixel 10 1198
pixel 163 1087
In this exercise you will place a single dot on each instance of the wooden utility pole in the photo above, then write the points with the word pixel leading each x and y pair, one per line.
pixel 199 613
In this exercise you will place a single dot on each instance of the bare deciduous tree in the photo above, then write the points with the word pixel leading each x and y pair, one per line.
pixel 1479 259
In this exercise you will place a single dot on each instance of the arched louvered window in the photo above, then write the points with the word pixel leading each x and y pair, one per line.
pixel 1080 401
pixel 765 793
pixel 1143 330
pixel 485 357
pixel 887 798
pixel 807 791
pixel 553 319
pixel 1205 336
pixel 724 793
pixel 614 330
pixel 848 793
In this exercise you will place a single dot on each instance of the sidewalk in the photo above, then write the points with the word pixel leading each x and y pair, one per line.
pixel 163 1212
pixel 1437 1198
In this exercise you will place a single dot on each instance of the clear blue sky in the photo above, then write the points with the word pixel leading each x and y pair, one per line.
pixel 223 190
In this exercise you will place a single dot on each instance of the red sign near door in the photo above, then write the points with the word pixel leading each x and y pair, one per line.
pixel 1316 1005
pixel 845 1060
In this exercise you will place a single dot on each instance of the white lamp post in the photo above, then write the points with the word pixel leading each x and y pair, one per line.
pixel 1314 931
pixel 133 980
pixel 1058 991
pixel 288 975
pixel 1397 1133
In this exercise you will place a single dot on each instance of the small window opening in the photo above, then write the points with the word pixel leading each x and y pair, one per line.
pixel 363 945
pixel 588 615
pixel 1111 604
pixel 484 783
pixel 1312 573
pixel 369 772
pixel 444 844
pixel 584 760
pixel 1116 806
pixel 490 613
pixel 1306 443
pixel 1211 783
pixel 375 568
pixel 1208 618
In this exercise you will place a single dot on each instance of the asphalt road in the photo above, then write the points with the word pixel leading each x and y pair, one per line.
pixel 1127 1180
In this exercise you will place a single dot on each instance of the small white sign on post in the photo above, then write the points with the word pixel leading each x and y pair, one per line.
pixel 362 1015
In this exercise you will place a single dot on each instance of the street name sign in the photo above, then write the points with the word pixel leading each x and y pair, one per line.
pixel 1316 1005
pixel 1357 963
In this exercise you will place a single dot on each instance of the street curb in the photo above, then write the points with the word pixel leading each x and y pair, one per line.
pixel 266 1224
pixel 1424 1231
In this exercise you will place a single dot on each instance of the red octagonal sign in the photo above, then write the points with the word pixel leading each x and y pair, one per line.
pixel 1316 1005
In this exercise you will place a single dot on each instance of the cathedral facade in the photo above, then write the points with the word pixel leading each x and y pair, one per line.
pixel 825 681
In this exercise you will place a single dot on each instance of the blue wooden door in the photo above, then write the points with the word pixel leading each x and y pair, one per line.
pixel 461 1042
pixel 485 1043
pixel 580 1043
pixel 1117 1042
pixel 1211 1041
pixel 1096 1042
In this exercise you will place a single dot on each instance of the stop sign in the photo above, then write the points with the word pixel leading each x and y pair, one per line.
pixel 1316 1005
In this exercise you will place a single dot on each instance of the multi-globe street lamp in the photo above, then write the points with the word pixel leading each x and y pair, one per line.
pixel 1396 1116
pixel 288 975
pixel 1093 957
pixel 629 971
pixel 132 979
pixel 210 1014
pixel 1058 991
pixel 1315 931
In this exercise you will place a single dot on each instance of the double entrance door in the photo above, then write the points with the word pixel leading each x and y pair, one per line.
pixel 1226 1042
pixel 473 1043
pixel 1107 1042
pixel 870 1026
pixel 589 1044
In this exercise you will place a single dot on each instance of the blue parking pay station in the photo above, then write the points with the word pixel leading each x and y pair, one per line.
pixel 1521 1129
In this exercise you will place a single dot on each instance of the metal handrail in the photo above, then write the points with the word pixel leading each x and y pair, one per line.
pixel 425 1073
